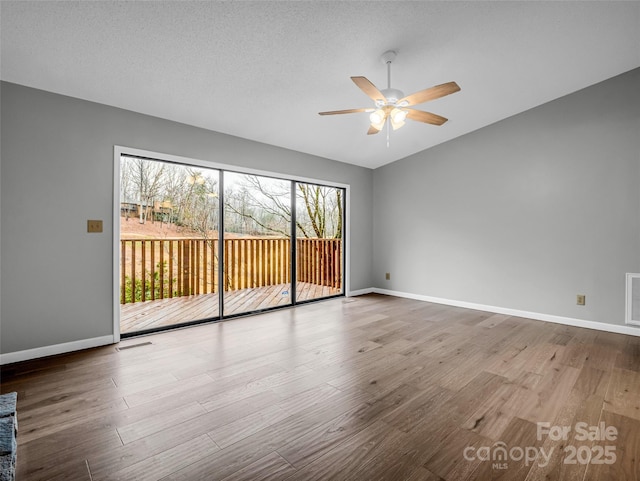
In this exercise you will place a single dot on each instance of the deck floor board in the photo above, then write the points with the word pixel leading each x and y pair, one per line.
pixel 142 316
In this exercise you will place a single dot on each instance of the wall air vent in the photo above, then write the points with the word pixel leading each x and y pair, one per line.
pixel 632 311
pixel 130 346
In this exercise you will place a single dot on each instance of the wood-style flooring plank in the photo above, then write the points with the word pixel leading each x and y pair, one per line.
pixel 624 464
pixel 355 452
pixel 580 408
pixel 265 441
pixel 104 462
pixel 373 387
pixel 623 395
pixel 316 442
pixel 157 466
pixel 272 467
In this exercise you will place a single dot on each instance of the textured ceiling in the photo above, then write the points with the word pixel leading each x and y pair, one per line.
pixel 262 70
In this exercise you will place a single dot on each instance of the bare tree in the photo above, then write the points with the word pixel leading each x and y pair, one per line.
pixel 126 186
pixel 147 177
pixel 268 205
pixel 200 203
pixel 255 206
pixel 264 207
pixel 322 214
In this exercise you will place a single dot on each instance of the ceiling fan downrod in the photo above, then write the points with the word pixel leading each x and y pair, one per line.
pixel 391 95
pixel 388 74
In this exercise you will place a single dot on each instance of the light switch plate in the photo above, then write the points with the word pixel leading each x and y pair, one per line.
pixel 94 226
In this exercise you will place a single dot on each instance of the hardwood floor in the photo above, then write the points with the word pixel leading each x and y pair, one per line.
pixel 366 388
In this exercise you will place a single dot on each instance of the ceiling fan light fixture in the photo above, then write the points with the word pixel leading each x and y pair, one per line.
pixel 397 118
pixel 396 125
pixel 398 115
pixel 377 117
pixel 379 126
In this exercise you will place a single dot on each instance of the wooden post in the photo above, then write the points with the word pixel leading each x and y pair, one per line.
pixel 123 277
pixel 195 268
pixel 161 264
pixel 227 265
pixel 206 289
pixel 215 264
pixel 133 271
pixel 153 270
pixel 263 263
pixel 170 269
pixel 245 263
pixel 142 274
pixel 185 269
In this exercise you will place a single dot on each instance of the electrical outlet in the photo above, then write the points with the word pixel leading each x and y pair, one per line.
pixel 387 276
pixel 94 226
pixel 581 299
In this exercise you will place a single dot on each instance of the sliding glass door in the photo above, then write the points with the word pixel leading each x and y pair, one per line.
pixel 319 234
pixel 257 243
pixel 168 244
pixel 199 244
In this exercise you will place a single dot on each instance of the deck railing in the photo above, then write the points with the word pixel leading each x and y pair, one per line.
pixel 162 268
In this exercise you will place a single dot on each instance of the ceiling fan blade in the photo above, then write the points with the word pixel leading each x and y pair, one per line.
pixel 430 94
pixel 426 117
pixel 373 130
pixel 349 111
pixel 368 88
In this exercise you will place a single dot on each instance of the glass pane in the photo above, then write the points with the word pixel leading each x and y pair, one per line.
pixel 319 232
pixel 168 244
pixel 257 243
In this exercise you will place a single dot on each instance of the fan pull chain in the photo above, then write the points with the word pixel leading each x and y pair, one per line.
pixel 388 132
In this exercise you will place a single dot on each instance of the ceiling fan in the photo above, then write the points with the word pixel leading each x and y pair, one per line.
pixel 392 104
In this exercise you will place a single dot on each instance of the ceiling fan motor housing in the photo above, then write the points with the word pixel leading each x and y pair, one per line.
pixel 392 96
pixel 389 56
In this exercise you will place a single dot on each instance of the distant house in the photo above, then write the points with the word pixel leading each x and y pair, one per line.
pixel 160 211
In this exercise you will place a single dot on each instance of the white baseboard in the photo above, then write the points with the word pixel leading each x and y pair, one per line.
pixel 569 321
pixel 28 354
pixel 37 352
pixel 360 292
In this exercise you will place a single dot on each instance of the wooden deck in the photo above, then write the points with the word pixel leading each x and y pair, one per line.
pixel 141 316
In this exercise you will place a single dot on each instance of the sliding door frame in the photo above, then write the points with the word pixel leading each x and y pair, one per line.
pixel 294 243
pixel 119 151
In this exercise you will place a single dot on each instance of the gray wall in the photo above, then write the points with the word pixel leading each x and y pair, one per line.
pixel 523 214
pixel 57 172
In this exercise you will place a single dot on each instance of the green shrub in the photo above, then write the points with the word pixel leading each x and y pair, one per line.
pixel 133 293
